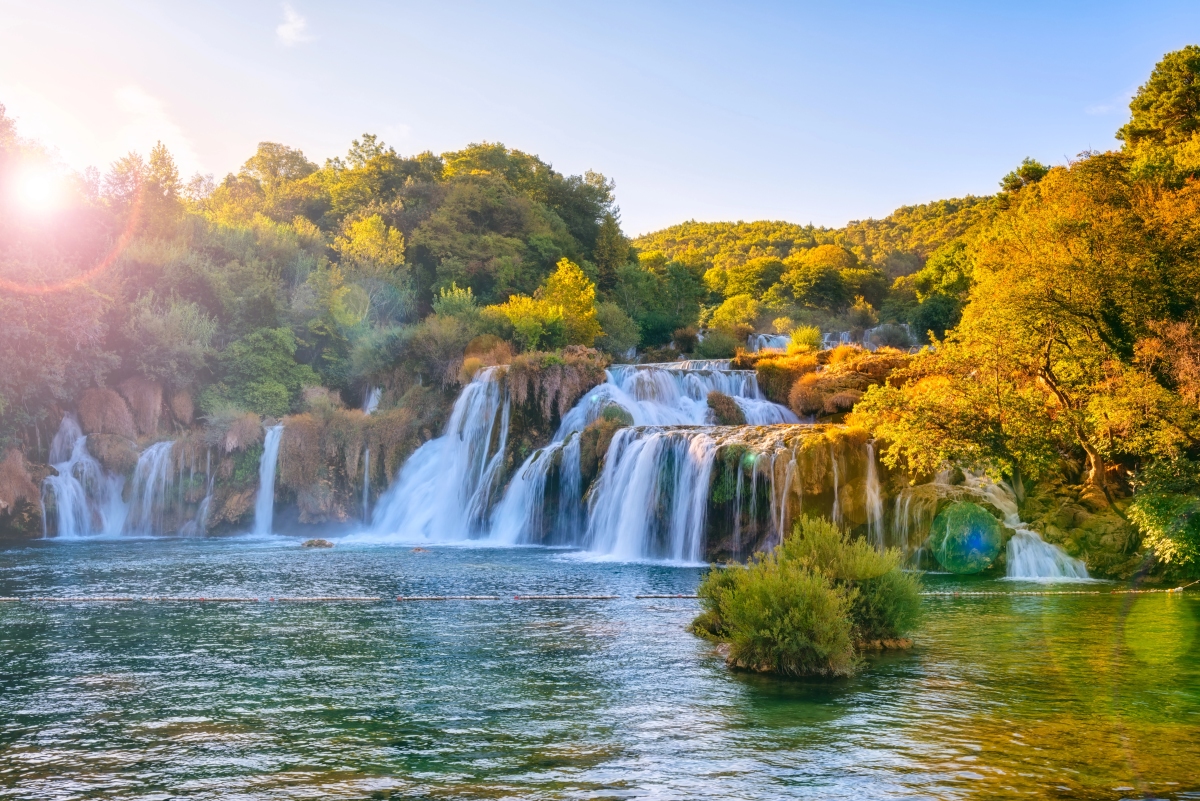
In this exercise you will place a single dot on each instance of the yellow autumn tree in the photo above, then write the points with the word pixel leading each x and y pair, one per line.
pixel 570 288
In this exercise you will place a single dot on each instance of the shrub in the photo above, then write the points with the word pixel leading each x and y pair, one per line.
pixel 685 339
pixel 780 617
pixel 802 609
pixel 725 409
pixel 805 338
pixel 717 345
pixel 891 336
pixel 1166 509
pixel 778 374
pixel 885 602
pixel 620 332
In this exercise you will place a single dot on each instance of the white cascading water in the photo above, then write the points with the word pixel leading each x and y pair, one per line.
pixel 264 504
pixel 758 342
pixel 874 501
pixel 651 498
pixel 370 404
pixel 87 499
pixel 148 494
pixel 445 488
pixel 668 394
pixel 1028 557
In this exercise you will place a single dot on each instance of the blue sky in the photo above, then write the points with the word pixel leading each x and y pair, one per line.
pixel 806 112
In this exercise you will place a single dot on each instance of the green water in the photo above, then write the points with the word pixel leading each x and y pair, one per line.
pixel 1068 696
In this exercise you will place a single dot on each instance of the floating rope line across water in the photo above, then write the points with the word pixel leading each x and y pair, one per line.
pixel 448 597
pixel 75 599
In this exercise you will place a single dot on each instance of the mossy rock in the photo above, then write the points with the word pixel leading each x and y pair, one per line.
pixel 965 538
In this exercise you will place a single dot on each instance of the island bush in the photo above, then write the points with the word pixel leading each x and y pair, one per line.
pixel 811 605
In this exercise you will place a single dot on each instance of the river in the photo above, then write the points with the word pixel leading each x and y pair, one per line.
pixel 1003 696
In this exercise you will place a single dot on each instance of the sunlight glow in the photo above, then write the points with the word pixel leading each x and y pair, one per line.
pixel 38 190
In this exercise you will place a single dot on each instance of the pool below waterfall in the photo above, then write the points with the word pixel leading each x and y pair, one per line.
pixel 1004 695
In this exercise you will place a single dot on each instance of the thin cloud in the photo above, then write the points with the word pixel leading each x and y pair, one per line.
pixel 148 122
pixel 1118 103
pixel 294 28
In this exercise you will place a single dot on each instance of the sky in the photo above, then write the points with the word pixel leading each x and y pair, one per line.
pixel 806 112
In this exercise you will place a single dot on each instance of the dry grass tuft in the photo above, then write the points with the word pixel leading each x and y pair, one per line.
pixel 778 374
pixel 102 411
pixel 115 453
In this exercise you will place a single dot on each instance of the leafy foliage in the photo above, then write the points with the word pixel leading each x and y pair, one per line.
pixel 800 609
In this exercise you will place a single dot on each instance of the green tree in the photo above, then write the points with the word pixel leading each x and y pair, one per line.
pixel 569 289
pixel 1166 109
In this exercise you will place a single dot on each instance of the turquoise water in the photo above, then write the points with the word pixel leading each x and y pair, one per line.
pixel 1017 696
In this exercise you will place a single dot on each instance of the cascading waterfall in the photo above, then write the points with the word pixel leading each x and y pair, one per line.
pixel 264 504
pixel 758 342
pixel 370 404
pixel 445 489
pixel 874 500
pixel 667 394
pixel 651 498
pixel 87 499
pixel 1028 556
pixel 149 492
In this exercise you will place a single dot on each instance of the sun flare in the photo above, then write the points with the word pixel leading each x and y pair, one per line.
pixel 37 190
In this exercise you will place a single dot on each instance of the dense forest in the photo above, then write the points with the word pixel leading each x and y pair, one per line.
pixel 1052 326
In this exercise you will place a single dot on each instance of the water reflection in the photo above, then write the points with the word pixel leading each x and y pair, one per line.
pixel 1003 696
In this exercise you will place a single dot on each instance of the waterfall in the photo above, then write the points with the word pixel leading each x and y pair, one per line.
pixel 445 488
pixel 87 499
pixel 651 498
pixel 199 523
pixel 874 500
pixel 836 514
pixel 371 399
pixel 370 404
pixel 665 394
pixel 1028 557
pixel 264 504
pixel 758 342
pixel 148 495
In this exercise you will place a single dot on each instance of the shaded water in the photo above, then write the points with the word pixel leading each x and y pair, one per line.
pixel 1069 696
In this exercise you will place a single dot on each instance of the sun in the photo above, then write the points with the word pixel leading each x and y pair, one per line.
pixel 37 190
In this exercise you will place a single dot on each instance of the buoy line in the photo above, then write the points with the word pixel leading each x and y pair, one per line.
pixel 417 598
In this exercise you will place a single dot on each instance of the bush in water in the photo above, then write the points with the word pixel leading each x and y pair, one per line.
pixel 725 410
pixel 802 609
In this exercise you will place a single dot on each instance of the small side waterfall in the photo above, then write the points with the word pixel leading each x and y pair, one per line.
pixel 445 489
pixel 370 404
pixel 874 501
pixel 1028 556
pixel 87 499
pixel 264 504
pixel 148 495
pixel 199 523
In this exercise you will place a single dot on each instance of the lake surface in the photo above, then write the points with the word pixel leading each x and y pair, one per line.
pixel 1011 696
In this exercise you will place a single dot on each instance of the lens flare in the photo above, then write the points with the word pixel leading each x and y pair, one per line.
pixel 37 190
